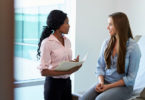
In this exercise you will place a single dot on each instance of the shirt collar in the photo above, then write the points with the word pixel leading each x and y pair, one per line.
pixel 53 38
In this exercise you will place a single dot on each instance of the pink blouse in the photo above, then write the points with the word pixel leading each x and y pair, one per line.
pixel 53 53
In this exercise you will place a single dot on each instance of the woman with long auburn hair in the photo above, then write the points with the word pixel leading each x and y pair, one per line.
pixel 117 64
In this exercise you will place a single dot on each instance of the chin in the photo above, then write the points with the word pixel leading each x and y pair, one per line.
pixel 65 33
pixel 111 34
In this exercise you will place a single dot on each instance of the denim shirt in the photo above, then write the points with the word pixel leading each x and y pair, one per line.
pixel 132 60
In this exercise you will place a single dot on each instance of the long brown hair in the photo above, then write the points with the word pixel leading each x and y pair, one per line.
pixel 122 26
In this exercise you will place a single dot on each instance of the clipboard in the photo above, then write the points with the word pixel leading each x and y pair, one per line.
pixel 66 65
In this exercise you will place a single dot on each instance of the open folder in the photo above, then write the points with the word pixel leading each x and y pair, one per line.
pixel 66 65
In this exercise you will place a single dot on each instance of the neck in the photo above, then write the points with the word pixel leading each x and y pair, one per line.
pixel 116 47
pixel 58 34
pixel 117 39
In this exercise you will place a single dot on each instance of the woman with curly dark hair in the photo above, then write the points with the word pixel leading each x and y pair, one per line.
pixel 53 48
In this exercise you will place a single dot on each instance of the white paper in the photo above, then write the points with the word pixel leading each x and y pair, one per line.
pixel 63 66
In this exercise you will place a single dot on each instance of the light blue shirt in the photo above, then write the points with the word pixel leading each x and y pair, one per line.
pixel 132 60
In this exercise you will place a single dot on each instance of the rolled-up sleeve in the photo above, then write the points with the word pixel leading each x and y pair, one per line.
pixel 100 69
pixel 45 58
pixel 133 66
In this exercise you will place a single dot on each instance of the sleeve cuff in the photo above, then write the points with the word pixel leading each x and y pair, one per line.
pixel 127 81
pixel 99 73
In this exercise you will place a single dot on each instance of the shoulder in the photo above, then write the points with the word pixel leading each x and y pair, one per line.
pixel 132 46
pixel 45 41
pixel 67 41
pixel 106 41
pixel 104 44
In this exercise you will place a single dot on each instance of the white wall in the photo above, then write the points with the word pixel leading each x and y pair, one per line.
pixel 135 11
pixel 91 30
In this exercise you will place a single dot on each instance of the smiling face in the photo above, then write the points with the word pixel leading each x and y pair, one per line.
pixel 111 28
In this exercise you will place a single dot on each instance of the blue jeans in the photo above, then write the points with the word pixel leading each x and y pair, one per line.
pixel 117 93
